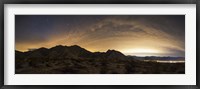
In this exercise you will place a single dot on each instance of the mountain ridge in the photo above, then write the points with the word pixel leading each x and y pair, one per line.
pixel 73 51
pixel 77 60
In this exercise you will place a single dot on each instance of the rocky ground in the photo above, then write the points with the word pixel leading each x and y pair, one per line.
pixel 77 60
pixel 91 66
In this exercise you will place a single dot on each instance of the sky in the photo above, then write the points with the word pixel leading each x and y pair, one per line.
pixel 139 35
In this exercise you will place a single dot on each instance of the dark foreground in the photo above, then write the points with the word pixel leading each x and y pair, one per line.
pixel 76 60
pixel 90 66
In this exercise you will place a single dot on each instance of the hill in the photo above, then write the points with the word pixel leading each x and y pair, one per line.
pixel 77 60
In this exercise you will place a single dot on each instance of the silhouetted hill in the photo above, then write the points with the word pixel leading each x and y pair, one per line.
pixel 113 54
pixel 77 60
pixel 75 51
pixel 19 55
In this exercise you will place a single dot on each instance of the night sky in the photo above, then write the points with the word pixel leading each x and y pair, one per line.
pixel 140 35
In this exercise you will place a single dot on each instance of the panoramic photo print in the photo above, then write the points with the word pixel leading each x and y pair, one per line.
pixel 99 44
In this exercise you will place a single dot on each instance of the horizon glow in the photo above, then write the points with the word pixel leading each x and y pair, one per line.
pixel 148 35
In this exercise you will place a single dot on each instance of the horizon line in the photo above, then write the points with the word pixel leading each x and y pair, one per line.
pixel 126 54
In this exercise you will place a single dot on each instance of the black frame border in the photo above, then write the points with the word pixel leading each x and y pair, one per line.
pixel 2 2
